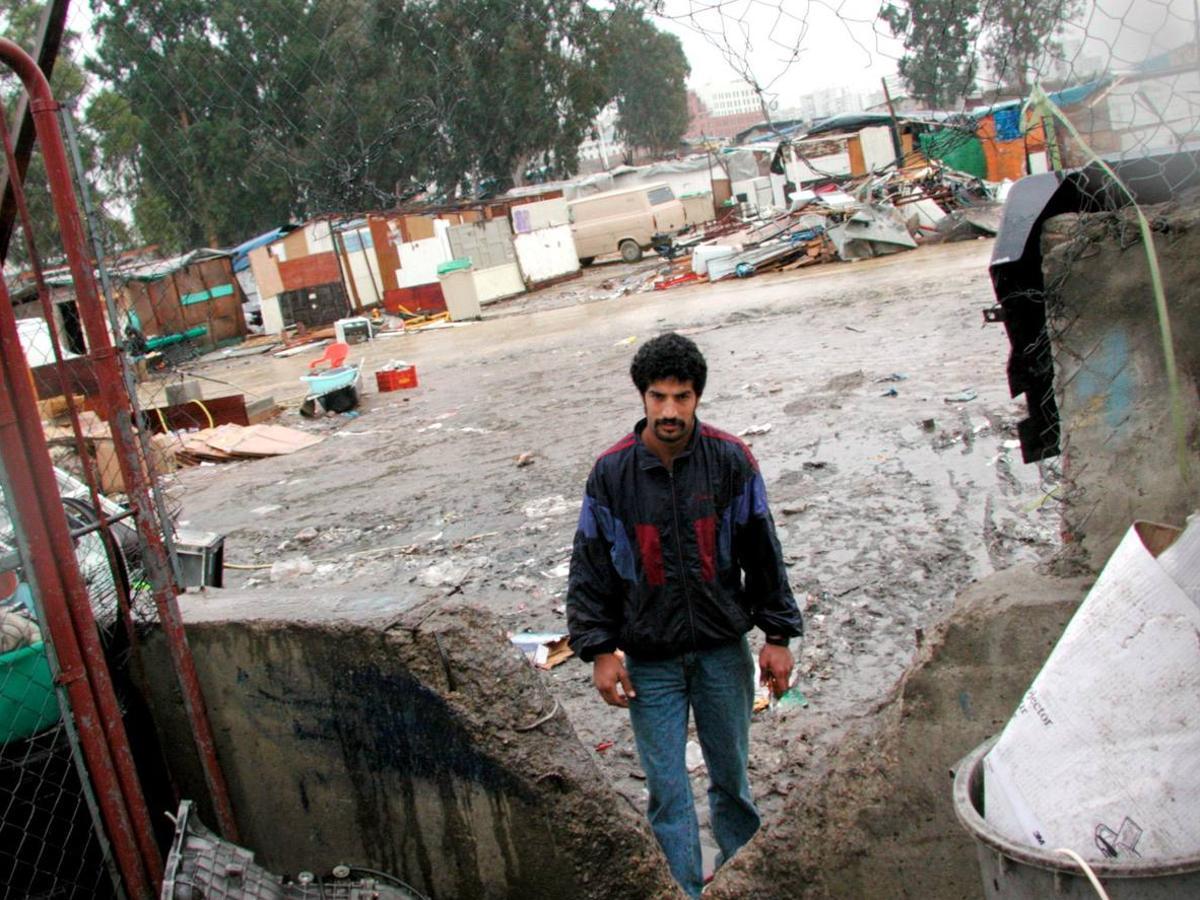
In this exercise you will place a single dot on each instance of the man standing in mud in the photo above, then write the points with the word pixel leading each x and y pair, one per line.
pixel 675 560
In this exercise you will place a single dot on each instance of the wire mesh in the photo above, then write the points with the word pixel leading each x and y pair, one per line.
pixel 241 122
pixel 49 845
pixel 202 126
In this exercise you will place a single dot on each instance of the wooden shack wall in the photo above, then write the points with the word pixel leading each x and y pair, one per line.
pixel 204 293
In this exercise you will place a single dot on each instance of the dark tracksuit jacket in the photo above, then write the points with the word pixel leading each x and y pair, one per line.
pixel 667 562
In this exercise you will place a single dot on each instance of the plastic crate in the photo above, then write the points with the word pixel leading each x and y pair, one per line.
pixel 396 379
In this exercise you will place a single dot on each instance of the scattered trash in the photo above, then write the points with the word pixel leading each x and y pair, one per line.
pixel 676 281
pixel 449 572
pixel 559 571
pixel 890 392
pixel 754 430
pixel 286 569
pixel 895 376
pixel 964 396
pixel 792 698
pixel 525 459
pixel 548 507
pixel 625 342
pixel 17 630
pixel 544 649
pixel 605 745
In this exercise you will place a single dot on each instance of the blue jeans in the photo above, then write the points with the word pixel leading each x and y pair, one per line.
pixel 718 686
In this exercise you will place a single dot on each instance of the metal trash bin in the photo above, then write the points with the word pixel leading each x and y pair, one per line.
pixel 1012 871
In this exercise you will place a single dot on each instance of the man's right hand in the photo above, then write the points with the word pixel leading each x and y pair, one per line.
pixel 611 679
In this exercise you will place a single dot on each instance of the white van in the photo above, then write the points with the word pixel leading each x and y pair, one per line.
pixel 624 221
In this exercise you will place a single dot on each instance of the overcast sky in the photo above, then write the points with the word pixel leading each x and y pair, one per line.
pixel 794 47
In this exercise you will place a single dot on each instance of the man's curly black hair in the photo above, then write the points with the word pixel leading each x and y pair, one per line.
pixel 669 355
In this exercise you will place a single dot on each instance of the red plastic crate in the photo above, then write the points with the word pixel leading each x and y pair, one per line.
pixel 396 379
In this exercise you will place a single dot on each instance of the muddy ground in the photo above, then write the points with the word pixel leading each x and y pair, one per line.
pixel 884 429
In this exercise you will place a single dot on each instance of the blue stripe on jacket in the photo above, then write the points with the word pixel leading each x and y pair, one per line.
pixel 596 519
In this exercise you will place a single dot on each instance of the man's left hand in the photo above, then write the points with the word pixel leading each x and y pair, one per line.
pixel 775 668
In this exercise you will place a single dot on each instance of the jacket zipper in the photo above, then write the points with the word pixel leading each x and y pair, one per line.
pixel 687 597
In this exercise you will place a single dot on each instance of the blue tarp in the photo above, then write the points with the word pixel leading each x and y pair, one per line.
pixel 241 253
pixel 1008 124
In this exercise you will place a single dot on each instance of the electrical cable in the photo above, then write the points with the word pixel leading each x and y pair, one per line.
pixel 1087 870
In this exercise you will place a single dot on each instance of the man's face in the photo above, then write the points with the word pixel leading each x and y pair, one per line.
pixel 671 410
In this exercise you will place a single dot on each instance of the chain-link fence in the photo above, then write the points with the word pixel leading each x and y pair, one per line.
pixel 202 129
pixel 86 568
pixel 204 132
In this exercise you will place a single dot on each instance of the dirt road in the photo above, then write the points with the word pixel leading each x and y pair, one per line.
pixel 887 438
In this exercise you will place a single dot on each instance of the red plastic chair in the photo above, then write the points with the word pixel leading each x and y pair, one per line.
pixel 335 355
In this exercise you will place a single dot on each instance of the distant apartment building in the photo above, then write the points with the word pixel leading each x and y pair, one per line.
pixel 602 150
pixel 729 98
pixel 833 101
pixel 728 109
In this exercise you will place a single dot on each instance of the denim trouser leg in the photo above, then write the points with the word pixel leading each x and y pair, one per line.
pixel 723 701
pixel 659 715
pixel 718 685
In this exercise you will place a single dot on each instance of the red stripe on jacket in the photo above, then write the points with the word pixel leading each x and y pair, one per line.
pixel 650 543
pixel 718 434
pixel 706 541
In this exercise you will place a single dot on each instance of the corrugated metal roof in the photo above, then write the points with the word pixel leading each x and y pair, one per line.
pixel 241 253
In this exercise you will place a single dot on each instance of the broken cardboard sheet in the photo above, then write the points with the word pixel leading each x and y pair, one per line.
pixel 228 442
pixel 544 649
pixel 91 425
pixel 1103 754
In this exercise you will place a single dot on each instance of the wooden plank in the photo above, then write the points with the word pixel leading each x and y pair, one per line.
pixel 295 244
pixel 266 272
pixel 387 260
pixel 418 228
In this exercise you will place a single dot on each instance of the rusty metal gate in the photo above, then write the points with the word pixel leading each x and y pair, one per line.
pixel 83 786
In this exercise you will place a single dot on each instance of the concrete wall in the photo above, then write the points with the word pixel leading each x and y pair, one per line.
pixel 1121 449
pixel 420 743
pixel 876 819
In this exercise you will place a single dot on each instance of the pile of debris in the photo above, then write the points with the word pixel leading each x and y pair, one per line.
pixel 230 442
pixel 872 216
pixel 174 446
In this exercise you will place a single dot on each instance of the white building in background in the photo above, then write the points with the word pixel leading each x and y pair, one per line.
pixel 835 100
pixel 728 98
pixel 602 150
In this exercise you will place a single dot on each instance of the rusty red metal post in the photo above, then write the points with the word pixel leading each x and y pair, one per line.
pixel 50 554
pixel 116 403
